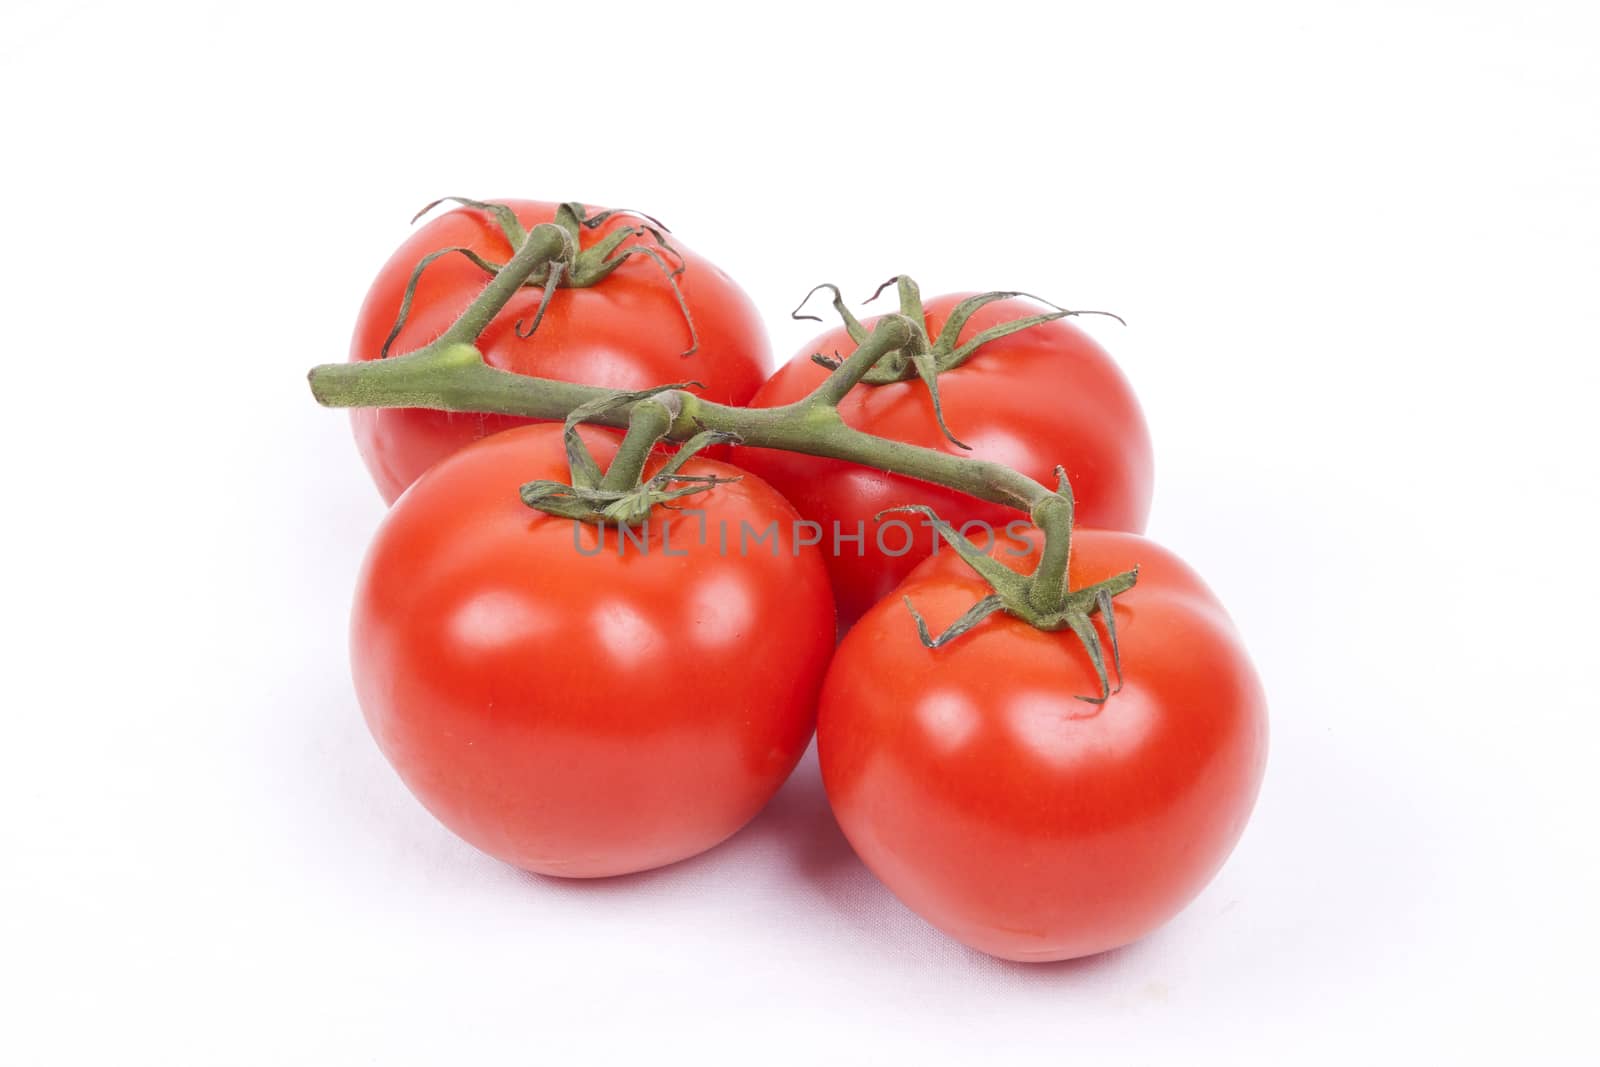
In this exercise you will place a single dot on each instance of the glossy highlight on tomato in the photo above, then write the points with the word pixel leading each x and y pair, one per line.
pixel 1043 396
pixel 1008 812
pixel 578 705
pixel 627 331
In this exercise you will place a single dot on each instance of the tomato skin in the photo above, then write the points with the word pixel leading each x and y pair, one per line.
pixel 1018 819
pixel 1046 395
pixel 584 715
pixel 625 332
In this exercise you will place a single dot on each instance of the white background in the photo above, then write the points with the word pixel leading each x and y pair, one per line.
pixel 1359 252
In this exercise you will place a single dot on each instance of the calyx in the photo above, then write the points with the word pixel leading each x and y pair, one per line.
pixel 1042 599
pixel 577 267
pixel 924 357
pixel 620 495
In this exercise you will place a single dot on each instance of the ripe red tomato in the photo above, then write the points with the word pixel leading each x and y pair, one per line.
pixel 576 709
pixel 626 332
pixel 1014 816
pixel 1047 395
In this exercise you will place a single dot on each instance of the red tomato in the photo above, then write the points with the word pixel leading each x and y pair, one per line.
pixel 587 714
pixel 625 332
pixel 1047 395
pixel 1017 818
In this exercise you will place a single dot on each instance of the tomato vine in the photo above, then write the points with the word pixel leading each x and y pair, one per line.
pixel 450 374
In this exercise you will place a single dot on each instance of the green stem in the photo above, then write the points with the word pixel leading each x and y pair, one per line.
pixel 648 421
pixel 892 333
pixel 457 379
pixel 544 244
pixel 451 375
pixel 1053 515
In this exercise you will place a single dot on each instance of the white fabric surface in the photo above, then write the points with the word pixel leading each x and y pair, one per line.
pixel 1357 247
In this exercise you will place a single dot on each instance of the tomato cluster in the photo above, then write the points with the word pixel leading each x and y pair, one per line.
pixel 587 699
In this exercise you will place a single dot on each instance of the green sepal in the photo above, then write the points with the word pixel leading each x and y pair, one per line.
pixel 586 473
pixel 1003 579
pixel 908 292
pixel 929 373
pixel 588 499
pixel 635 505
pixel 1012 596
pixel 504 217
pixel 1084 630
pixel 416 276
pixel 969 618
pixel 587 266
pixel 852 325
pixel 693 446
pixel 552 282
pixel 594 264
pixel 556 498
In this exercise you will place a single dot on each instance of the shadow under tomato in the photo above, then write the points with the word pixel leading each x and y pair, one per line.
pixel 794 834
pixel 793 849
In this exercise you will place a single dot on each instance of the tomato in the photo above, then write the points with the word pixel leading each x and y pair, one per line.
pixel 571 706
pixel 1022 820
pixel 625 332
pixel 1044 396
